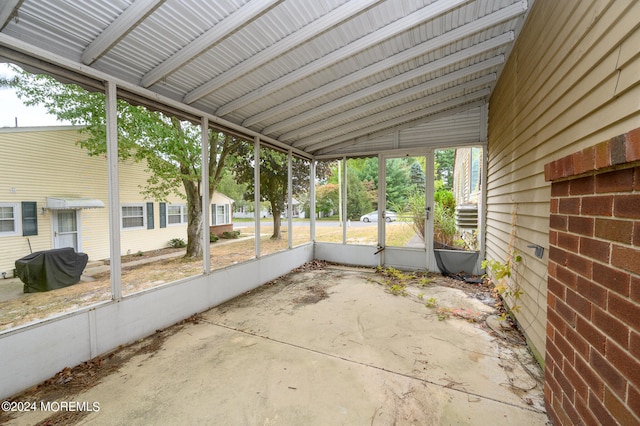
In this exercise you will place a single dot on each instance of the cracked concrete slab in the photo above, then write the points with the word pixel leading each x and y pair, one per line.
pixel 328 346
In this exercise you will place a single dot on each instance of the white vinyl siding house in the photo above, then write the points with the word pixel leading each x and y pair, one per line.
pixel 58 197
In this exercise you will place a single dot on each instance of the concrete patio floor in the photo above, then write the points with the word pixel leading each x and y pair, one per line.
pixel 323 347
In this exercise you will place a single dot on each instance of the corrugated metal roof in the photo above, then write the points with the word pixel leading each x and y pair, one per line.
pixel 328 77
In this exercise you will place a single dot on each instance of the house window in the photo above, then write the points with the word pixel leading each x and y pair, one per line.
pixel 220 214
pixel 29 218
pixel 9 219
pixel 133 216
pixel 176 214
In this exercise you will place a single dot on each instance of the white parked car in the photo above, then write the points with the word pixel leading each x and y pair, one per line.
pixel 373 216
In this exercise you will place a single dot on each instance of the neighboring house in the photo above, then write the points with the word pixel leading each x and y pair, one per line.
pixel 467 186
pixel 53 194
pixel 246 211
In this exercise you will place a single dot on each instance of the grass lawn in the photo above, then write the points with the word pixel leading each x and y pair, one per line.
pixel 33 306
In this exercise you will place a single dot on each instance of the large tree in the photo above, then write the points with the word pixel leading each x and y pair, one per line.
pixel 171 148
pixel 273 179
pixel 444 161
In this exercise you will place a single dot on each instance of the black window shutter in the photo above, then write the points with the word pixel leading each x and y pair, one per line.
pixel 29 218
pixel 213 214
pixel 149 215
pixel 163 215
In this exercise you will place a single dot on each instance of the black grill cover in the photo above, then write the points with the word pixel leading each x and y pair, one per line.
pixel 51 269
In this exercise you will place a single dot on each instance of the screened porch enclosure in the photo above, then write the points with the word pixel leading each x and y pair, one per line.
pixel 391 82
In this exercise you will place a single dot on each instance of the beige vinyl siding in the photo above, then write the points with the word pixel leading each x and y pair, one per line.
pixel 41 162
pixel 571 81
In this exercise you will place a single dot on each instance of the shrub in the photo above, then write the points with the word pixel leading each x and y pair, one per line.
pixel 229 235
pixel 177 243
pixel 213 237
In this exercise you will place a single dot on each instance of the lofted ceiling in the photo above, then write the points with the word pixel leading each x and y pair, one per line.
pixel 327 77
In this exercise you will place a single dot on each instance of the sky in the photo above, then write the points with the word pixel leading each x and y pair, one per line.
pixel 12 108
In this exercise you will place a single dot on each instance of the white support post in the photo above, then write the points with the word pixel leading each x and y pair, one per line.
pixel 382 206
pixel 312 200
pixel 344 200
pixel 256 197
pixel 430 207
pixel 289 199
pixel 114 190
pixel 206 202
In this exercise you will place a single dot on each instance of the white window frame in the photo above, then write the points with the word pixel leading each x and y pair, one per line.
pixel 144 216
pixel 225 214
pixel 17 220
pixel 184 218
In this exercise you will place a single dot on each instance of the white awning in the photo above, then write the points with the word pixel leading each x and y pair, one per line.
pixel 73 203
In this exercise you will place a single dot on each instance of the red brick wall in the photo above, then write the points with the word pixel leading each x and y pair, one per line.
pixel 219 229
pixel 592 363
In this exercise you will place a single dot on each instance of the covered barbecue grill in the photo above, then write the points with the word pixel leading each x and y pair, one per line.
pixel 51 269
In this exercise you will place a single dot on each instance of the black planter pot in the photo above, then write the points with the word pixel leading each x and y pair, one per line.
pixel 452 261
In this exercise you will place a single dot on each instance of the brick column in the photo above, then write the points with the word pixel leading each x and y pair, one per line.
pixel 592 362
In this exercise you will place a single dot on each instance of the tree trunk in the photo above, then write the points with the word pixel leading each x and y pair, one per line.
pixel 194 226
pixel 276 224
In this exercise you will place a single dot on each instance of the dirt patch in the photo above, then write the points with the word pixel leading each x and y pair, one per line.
pixel 316 294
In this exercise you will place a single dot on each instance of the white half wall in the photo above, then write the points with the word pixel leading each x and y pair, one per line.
pixel 407 259
pixel 347 254
pixel 35 352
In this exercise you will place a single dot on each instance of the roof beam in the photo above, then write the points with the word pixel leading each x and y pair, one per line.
pixel 398 80
pixel 403 111
pixel 365 110
pixel 27 54
pixel 402 117
pixel 208 39
pixel 7 12
pixel 479 67
pixel 462 32
pixel 431 11
pixel 413 123
pixel 331 19
pixel 123 25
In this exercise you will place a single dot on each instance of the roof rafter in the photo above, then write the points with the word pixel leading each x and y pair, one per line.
pixel 435 43
pixel 400 79
pixel 429 12
pixel 207 40
pixel 409 124
pixel 403 118
pixel 437 101
pixel 119 28
pixel 365 109
pixel 331 19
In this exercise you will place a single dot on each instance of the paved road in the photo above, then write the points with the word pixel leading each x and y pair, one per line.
pixel 306 223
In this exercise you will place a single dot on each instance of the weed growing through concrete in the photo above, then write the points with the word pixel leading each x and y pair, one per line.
pixel 501 273
pixel 397 281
